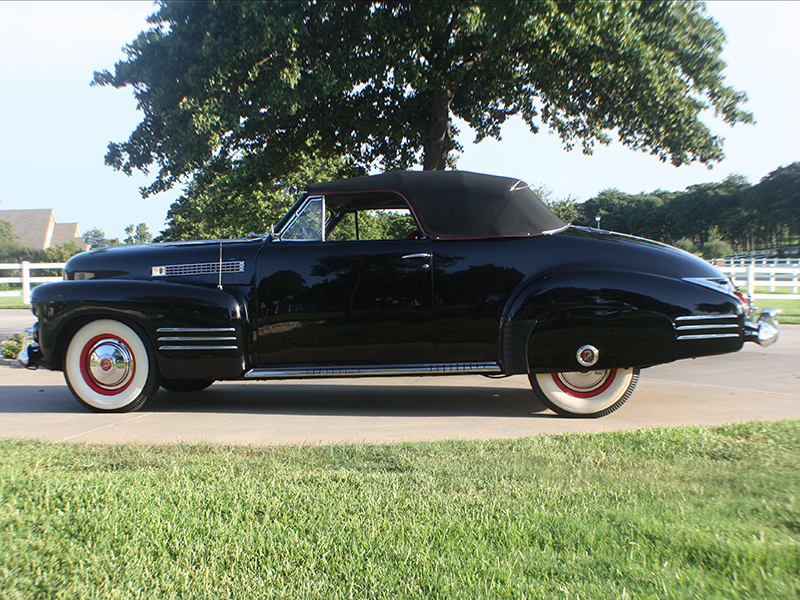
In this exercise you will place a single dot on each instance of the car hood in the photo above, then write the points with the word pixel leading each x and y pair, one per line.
pixel 142 261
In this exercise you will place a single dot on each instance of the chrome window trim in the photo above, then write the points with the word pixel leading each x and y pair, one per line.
pixel 296 216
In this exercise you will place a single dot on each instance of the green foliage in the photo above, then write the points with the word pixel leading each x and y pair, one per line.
pixel 11 347
pixel 9 247
pixel 654 513
pixel 95 232
pixel 742 215
pixel 15 253
pixel 686 245
pixel 375 225
pixel 565 209
pixel 237 202
pixel 138 234
pixel 100 234
pixel 716 249
pixel 777 197
pixel 260 86
pixel 644 215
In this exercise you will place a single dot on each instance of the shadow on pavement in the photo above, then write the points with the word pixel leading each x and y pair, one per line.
pixel 305 399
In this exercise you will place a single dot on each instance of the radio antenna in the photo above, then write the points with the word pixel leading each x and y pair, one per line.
pixel 219 285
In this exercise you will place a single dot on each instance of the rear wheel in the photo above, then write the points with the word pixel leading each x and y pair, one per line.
pixel 588 394
pixel 185 385
pixel 111 367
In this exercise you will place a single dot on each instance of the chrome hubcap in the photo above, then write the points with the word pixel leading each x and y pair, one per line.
pixel 110 364
pixel 584 382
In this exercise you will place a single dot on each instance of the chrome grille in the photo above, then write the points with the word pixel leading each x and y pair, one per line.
pixel 233 266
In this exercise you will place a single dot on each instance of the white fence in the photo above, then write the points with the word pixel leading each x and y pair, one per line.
pixel 774 276
pixel 761 257
pixel 757 275
pixel 25 278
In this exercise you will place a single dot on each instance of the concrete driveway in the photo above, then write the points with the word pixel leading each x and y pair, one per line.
pixel 756 383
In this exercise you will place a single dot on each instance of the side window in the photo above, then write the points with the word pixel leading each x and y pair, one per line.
pixel 307 224
pixel 379 224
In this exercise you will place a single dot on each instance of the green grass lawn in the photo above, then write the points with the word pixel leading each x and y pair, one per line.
pixel 664 513
pixel 790 309
pixel 12 302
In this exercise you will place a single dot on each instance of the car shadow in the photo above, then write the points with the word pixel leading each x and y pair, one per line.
pixel 354 399
pixel 318 399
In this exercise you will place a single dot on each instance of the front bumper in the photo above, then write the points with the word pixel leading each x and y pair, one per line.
pixel 30 348
pixel 764 331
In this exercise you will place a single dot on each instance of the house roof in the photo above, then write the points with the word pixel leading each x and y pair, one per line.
pixel 66 232
pixel 37 228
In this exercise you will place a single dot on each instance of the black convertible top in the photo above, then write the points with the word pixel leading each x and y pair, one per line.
pixel 456 204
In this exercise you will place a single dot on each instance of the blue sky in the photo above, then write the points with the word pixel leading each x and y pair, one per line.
pixel 55 127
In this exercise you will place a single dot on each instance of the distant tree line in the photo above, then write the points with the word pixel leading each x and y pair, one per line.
pixel 714 219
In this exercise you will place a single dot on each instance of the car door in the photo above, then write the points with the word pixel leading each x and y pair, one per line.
pixel 345 302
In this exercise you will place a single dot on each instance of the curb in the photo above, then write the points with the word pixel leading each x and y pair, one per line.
pixel 11 362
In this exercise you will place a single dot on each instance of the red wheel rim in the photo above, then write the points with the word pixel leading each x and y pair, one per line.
pixel 100 356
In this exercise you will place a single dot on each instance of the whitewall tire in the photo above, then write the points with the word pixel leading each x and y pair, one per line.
pixel 588 394
pixel 110 366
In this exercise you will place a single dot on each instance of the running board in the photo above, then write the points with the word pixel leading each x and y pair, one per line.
pixel 302 371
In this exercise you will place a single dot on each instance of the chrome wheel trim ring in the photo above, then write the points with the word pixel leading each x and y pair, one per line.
pixel 584 384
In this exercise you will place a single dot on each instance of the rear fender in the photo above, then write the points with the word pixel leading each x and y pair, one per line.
pixel 164 310
pixel 627 316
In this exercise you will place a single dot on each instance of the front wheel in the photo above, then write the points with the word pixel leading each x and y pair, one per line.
pixel 589 394
pixel 111 367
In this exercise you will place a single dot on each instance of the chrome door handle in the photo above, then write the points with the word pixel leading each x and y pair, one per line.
pixel 420 255
pixel 423 255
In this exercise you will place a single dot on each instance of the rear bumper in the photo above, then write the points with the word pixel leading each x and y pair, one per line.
pixel 764 331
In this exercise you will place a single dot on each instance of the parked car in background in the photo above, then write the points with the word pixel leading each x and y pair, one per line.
pixel 467 273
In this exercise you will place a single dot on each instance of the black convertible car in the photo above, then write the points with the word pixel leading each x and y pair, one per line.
pixel 408 273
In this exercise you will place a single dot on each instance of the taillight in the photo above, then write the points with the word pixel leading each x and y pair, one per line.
pixel 745 300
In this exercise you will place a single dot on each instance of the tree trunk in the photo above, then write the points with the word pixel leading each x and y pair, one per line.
pixel 439 142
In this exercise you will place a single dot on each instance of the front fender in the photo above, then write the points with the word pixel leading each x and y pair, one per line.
pixel 164 310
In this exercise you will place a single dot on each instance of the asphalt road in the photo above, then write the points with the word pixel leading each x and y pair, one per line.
pixel 756 383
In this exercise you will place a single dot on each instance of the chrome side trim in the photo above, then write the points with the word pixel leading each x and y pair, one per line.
pixel 708 326
pixel 718 284
pixel 198 348
pixel 301 371
pixel 187 338
pixel 704 317
pixel 194 329
pixel 708 336
pixel 204 335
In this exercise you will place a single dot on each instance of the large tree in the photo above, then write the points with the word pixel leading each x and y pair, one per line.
pixel 777 198
pixel 256 85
